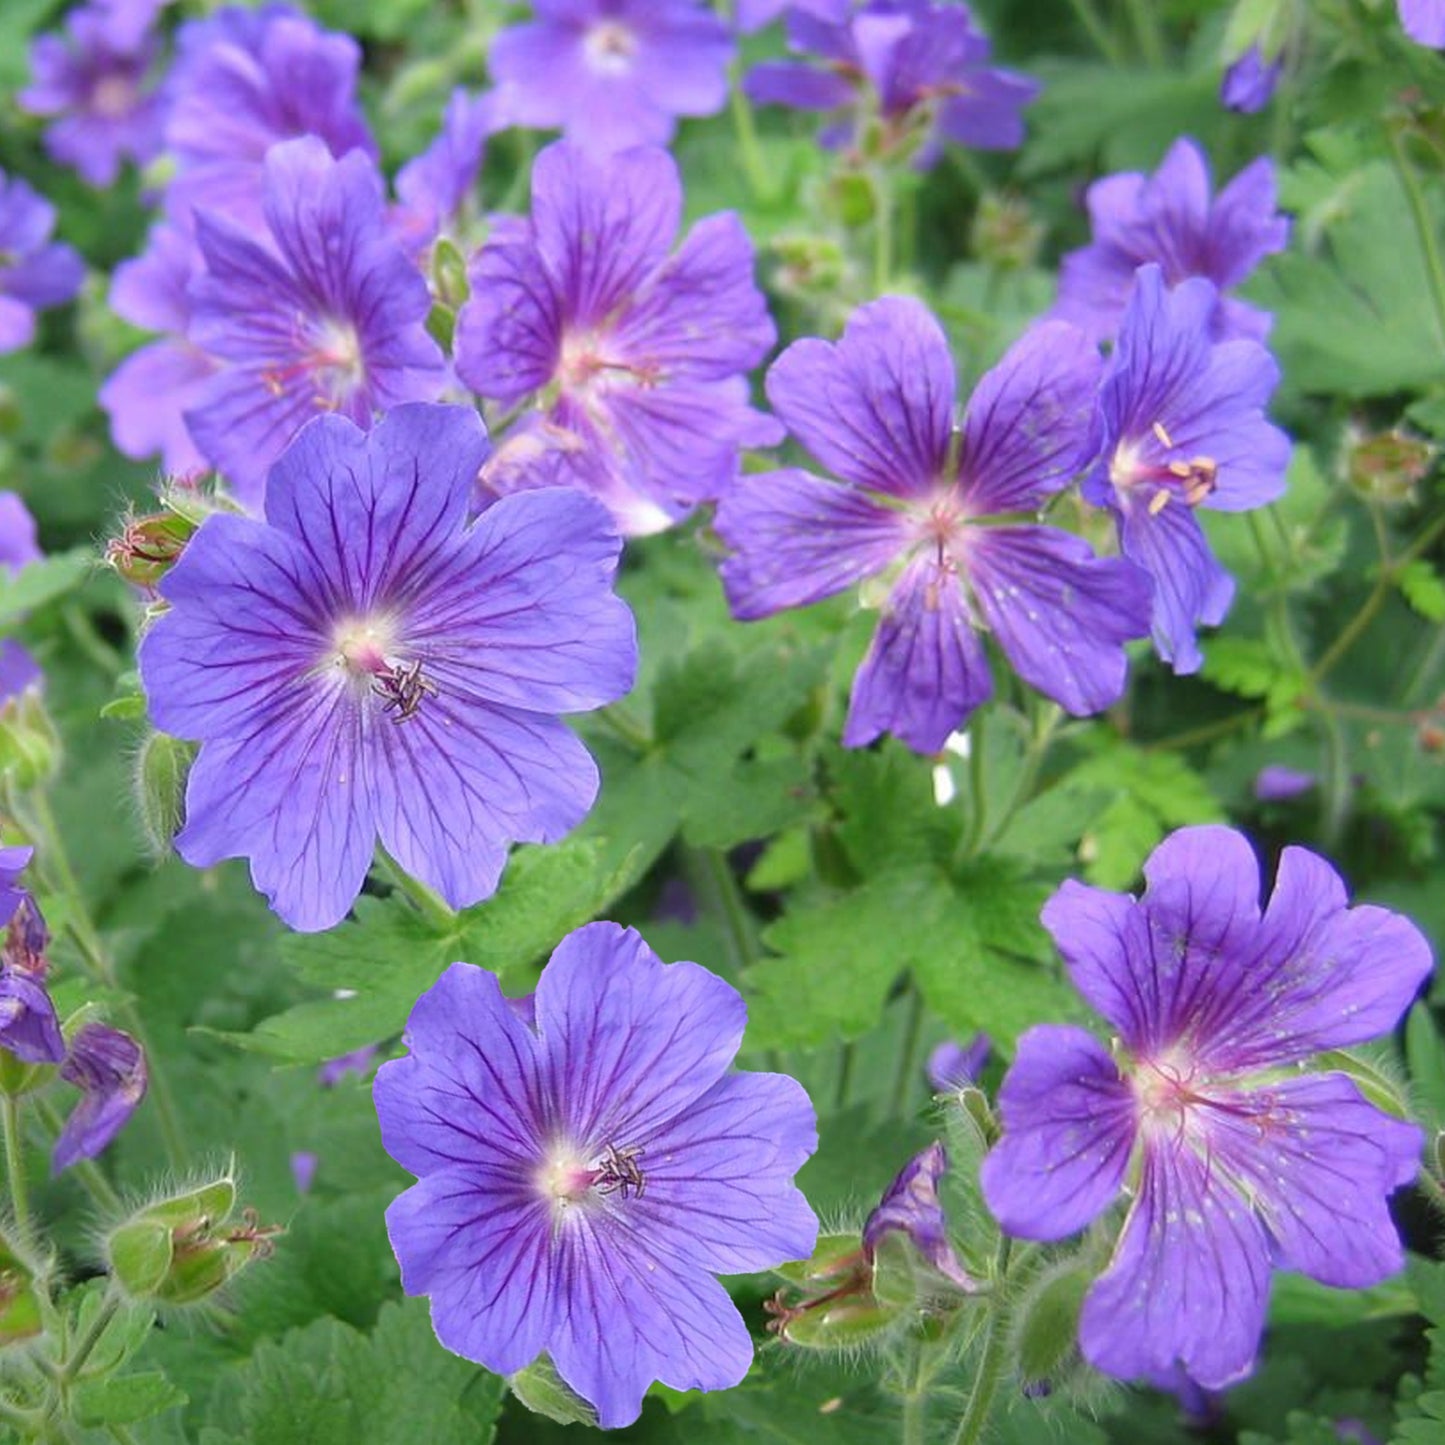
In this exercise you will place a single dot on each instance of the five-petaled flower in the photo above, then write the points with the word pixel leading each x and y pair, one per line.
pixel 1238 1161
pixel 365 662
pixel 330 315
pixel 638 357
pixel 580 1182
pixel 956 510
pixel 613 73
pixel 1169 219
pixel 1180 425
pixel 916 71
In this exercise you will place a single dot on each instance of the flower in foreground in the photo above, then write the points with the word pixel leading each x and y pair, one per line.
pixel 642 351
pixel 329 316
pixel 613 73
pixel 1170 219
pixel 1180 425
pixel 363 663
pixel 581 1182
pixel 1238 1159
pixel 35 272
pixel 98 78
pixel 920 70
pixel 954 512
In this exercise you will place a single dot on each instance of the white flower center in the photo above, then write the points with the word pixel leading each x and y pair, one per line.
pixel 609 48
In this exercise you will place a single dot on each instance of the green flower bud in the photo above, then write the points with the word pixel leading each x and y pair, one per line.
pixel 1387 466
pixel 30 748
pixel 1048 1322
pixel 542 1390
pixel 180 1250
pixel 1005 234
pixel 854 199
pixel 449 274
pixel 162 766
pixel 148 546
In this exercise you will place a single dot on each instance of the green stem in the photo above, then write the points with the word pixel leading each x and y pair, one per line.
pixel 75 1362
pixel 1424 226
pixel 1145 22
pixel 1093 24
pixel 83 633
pixel 431 905
pixel 745 128
pixel 845 1075
pixel 915 1400
pixel 907 1062
pixel 726 898
pixel 883 235
pixel 991 1362
pixel 15 1162
pixel 1205 732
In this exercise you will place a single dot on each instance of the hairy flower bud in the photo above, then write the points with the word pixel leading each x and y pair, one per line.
pixel 1387 466
pixel 148 546
pixel 180 1250
pixel 161 769
pixel 20 1317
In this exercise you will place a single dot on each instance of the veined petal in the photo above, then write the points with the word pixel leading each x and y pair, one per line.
pixel 1319 975
pixel 629 1042
pixel 925 671
pixel 876 407
pixel 1068 1131
pixel 1061 614
pixel 458 783
pixel 509 334
pixel 480 1244
pixel 1191 589
pixel 797 538
pixel 522 614
pixel 292 799
pixel 719 1193
pixel 1028 420
pixel 1319 1164
pixel 1189 1281
pixel 244 628
pixel 601 227
pixel 362 507
pixel 466 1093
pixel 629 1317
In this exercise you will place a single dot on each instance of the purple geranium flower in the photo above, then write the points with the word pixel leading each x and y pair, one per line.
pixel 243 81
pixel 952 1066
pixel 876 409
pixel 643 353
pixel 1168 218
pixel 363 662
pixel 331 317
pixel 910 1207
pixel 1249 83
pixel 35 273
pixel 433 189
pixel 1180 425
pixel 1238 1162
pixel 29 1028
pixel 921 68
pixel 109 1067
pixel 19 547
pixel 581 1183
pixel 13 862
pixel 357 1062
pixel 1424 21
pixel 613 73
pixel 149 393
pixel 100 78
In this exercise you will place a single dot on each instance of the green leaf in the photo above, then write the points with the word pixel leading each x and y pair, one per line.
pixel 1425 1055
pixel 124 1399
pixel 1347 295
pixel 377 966
pixel 40 582
pixel 1423 588
pixel 329 1384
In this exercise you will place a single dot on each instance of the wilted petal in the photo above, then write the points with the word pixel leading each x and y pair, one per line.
pixel 109 1067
